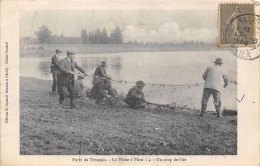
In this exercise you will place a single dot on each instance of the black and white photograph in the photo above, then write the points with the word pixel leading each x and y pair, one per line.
pixel 126 82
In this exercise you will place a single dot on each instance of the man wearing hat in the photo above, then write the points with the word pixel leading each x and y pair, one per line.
pixel 135 97
pixel 55 69
pixel 67 79
pixel 215 79
pixel 100 72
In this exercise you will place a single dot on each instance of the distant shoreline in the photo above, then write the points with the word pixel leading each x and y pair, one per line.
pixel 48 50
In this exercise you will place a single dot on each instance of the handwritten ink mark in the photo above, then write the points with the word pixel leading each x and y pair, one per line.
pixel 80 147
pixel 241 99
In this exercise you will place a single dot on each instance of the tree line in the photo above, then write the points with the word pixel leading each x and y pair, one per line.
pixel 101 37
pixel 44 36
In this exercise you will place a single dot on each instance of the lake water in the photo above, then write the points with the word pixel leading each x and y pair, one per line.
pixel 152 67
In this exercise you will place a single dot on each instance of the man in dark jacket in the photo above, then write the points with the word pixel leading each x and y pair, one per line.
pixel 101 70
pixel 103 90
pixel 107 86
pixel 55 69
pixel 67 79
pixel 100 73
pixel 135 97
pixel 98 92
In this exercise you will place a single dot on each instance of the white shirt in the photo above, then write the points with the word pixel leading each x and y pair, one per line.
pixel 215 78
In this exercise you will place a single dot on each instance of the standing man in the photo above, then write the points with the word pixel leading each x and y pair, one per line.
pixel 135 97
pixel 215 78
pixel 55 70
pixel 67 79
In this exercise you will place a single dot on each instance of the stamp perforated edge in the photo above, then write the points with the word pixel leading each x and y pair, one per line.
pixel 236 45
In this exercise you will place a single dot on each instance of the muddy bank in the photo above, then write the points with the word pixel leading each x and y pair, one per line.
pixel 48 128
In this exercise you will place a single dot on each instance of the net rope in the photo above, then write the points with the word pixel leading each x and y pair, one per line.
pixel 182 95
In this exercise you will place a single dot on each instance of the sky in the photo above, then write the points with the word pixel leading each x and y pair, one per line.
pixel 136 25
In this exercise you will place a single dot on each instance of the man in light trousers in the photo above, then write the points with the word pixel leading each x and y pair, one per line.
pixel 215 79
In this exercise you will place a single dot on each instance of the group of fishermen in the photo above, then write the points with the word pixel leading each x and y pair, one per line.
pixel 64 83
pixel 63 71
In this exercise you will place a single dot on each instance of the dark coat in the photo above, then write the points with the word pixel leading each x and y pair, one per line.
pixel 135 97
pixel 65 77
pixel 97 91
pixel 100 71
pixel 55 65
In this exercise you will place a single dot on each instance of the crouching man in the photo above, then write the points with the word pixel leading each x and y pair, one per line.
pixel 215 79
pixel 98 91
pixel 135 97
pixel 80 89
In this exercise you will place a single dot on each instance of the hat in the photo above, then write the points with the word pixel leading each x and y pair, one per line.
pixel 218 61
pixel 58 50
pixel 81 76
pixel 140 83
pixel 69 52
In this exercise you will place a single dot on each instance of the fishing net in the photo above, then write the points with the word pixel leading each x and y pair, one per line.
pixel 183 96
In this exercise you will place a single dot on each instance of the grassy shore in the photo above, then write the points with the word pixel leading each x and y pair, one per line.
pixel 48 128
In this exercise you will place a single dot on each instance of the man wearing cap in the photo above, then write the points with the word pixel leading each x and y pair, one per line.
pixel 135 97
pixel 67 79
pixel 100 72
pixel 215 79
pixel 55 69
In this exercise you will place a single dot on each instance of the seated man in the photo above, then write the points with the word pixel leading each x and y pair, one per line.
pixel 100 72
pixel 135 97
pixel 98 92
pixel 80 90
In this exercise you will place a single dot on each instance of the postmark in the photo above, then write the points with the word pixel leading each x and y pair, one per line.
pixel 236 25
pixel 246 52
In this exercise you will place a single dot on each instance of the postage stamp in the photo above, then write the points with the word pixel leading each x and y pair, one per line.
pixel 236 24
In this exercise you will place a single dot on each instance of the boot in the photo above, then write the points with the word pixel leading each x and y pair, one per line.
pixel 61 99
pixel 72 104
pixel 218 111
pixel 202 114
pixel 203 110
pixel 218 114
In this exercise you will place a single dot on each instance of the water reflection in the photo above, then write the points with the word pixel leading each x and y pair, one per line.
pixel 116 63
pixel 92 62
pixel 163 68
pixel 89 63
pixel 44 68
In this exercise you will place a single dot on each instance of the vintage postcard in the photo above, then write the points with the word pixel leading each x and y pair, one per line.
pixel 130 83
